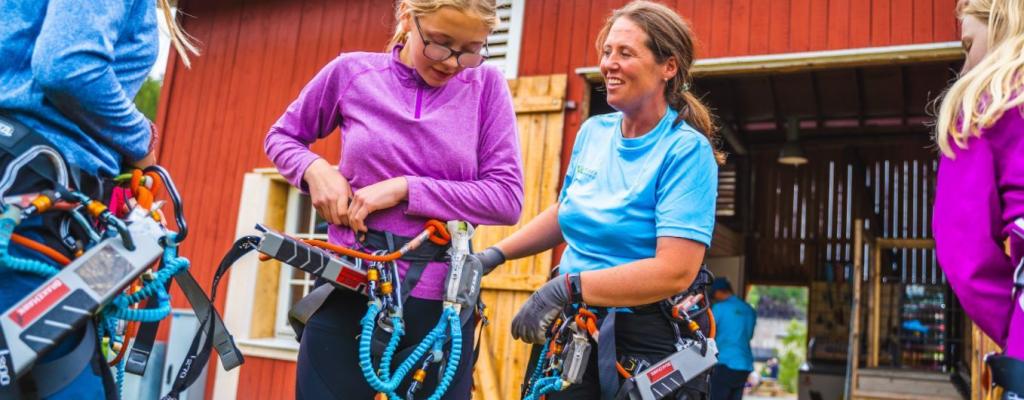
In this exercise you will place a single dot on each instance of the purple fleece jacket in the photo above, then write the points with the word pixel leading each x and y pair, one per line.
pixel 456 145
pixel 978 196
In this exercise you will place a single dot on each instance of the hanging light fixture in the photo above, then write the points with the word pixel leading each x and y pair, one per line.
pixel 791 153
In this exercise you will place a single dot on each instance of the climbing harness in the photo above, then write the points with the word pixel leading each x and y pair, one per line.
pixel 111 276
pixel 376 275
pixel 564 357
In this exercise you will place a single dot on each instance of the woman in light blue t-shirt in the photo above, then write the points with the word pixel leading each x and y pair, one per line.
pixel 637 207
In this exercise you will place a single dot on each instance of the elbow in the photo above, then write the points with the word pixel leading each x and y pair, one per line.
pixel 268 142
pixel 512 213
pixel 51 77
pixel 678 279
pixel 58 73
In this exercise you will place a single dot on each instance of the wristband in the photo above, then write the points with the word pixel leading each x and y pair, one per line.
pixel 575 287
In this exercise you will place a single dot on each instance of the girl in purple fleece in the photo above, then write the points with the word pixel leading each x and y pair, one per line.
pixel 980 191
pixel 428 133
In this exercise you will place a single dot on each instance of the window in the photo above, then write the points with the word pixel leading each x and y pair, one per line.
pixel 503 43
pixel 301 221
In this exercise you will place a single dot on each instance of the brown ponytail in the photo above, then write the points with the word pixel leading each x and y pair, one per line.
pixel 668 36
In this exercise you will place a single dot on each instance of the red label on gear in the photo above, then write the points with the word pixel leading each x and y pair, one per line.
pixel 660 371
pixel 351 279
pixel 41 300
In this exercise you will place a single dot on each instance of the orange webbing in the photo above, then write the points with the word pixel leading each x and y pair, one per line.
pixel 133 327
pixel 41 248
pixel 587 320
pixel 434 230
pixel 714 326
pixel 145 195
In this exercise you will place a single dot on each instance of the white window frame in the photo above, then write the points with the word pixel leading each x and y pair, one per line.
pixel 282 329
pixel 510 63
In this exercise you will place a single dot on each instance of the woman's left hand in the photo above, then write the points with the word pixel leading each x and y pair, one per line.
pixel 378 196
pixel 534 319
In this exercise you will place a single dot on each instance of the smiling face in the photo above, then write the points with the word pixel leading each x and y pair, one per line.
pixel 449 27
pixel 633 76
pixel 974 37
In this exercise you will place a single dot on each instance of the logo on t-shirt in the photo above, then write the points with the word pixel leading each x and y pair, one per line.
pixel 584 173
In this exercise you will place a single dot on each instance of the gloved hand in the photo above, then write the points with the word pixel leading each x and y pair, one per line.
pixel 534 319
pixel 490 258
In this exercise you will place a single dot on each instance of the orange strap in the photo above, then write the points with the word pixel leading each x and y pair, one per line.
pixel 586 319
pixel 145 195
pixel 434 230
pixel 714 326
pixel 41 248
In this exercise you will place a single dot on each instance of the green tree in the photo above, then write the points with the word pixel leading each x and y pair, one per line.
pixel 148 97
pixel 793 354
pixel 794 295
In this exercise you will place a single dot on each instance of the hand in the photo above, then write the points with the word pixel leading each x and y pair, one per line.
pixel 378 196
pixel 490 258
pixel 535 317
pixel 147 161
pixel 329 191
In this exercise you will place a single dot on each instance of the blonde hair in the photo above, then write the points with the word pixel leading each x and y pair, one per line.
pixel 181 40
pixel 485 9
pixel 669 36
pixel 996 85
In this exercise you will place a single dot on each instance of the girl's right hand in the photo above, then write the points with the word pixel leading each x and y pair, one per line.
pixel 329 191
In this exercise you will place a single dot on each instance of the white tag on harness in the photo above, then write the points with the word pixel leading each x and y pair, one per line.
pixel 462 286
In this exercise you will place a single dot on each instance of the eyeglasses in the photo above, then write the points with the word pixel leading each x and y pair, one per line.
pixel 439 53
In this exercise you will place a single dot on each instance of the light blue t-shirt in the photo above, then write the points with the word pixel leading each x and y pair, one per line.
pixel 621 194
pixel 734 320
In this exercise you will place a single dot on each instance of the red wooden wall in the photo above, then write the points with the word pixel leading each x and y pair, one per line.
pixel 257 55
pixel 266 379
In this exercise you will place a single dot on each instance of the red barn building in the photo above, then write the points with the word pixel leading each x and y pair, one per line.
pixel 848 81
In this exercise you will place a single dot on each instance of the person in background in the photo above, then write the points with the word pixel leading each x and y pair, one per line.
pixel 979 197
pixel 735 321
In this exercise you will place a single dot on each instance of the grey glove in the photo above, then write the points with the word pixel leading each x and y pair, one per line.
pixel 535 317
pixel 490 258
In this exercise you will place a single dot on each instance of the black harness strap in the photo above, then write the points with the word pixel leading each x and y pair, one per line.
pixel 199 352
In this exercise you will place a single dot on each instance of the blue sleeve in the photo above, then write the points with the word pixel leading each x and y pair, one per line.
pixel 72 64
pixel 686 192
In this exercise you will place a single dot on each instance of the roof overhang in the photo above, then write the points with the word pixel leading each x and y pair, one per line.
pixel 814 60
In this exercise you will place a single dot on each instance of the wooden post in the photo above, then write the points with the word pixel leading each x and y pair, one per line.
pixel 853 351
pixel 876 305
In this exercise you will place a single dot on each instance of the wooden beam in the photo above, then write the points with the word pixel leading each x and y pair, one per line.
pixel 815 60
pixel 853 350
pixel 901 243
pixel 876 306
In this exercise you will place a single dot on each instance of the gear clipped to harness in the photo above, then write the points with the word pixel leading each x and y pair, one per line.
pixel 376 276
pixel 112 273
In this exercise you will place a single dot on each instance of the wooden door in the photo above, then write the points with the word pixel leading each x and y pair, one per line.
pixel 539 103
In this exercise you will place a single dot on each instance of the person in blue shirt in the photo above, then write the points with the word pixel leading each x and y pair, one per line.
pixel 735 320
pixel 637 207
pixel 69 74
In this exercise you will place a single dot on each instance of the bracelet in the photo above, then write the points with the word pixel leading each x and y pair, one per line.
pixel 575 287
pixel 152 138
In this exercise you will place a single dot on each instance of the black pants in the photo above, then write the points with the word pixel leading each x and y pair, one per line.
pixel 639 336
pixel 727 384
pixel 328 366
